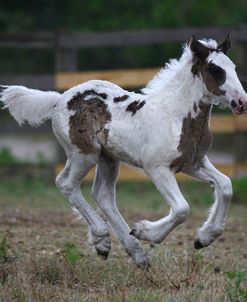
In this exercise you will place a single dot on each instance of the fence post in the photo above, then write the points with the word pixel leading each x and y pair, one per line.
pixel 66 59
pixel 240 138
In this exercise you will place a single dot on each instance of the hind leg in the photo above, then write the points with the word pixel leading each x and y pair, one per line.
pixel 104 194
pixel 69 181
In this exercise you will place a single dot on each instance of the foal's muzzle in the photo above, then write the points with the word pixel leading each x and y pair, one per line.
pixel 239 107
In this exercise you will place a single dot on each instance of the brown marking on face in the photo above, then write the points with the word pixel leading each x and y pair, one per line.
pixel 120 98
pixel 212 75
pixel 195 140
pixel 87 125
pixel 134 106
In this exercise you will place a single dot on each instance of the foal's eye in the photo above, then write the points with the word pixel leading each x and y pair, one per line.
pixel 217 72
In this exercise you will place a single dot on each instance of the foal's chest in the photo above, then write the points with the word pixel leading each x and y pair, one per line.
pixel 195 140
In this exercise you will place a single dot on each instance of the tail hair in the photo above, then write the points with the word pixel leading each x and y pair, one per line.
pixel 31 105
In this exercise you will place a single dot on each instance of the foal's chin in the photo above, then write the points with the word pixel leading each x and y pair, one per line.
pixel 238 110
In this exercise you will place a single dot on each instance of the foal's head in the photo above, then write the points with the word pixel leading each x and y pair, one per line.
pixel 218 73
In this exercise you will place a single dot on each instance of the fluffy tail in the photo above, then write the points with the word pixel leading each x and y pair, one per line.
pixel 31 105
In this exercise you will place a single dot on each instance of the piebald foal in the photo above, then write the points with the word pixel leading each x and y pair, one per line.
pixel 164 130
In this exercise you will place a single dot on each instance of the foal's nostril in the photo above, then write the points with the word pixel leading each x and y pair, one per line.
pixel 240 102
pixel 233 104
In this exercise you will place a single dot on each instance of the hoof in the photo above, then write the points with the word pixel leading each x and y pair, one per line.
pixel 145 266
pixel 197 244
pixel 100 244
pixel 134 249
pixel 103 254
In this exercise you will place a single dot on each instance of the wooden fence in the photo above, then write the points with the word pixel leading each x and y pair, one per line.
pixel 66 45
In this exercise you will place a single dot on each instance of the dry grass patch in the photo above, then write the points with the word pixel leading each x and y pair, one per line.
pixel 37 267
pixel 46 257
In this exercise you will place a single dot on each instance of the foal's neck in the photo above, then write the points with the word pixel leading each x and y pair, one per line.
pixel 191 97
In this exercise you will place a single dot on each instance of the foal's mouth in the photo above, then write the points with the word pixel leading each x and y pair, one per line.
pixel 237 109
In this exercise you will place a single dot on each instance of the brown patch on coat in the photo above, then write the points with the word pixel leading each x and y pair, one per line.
pixel 195 140
pixel 121 98
pixel 195 108
pixel 87 126
pixel 212 75
pixel 92 92
pixel 134 106
pixel 2 88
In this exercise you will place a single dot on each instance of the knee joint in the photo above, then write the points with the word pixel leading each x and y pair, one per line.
pixel 226 187
pixel 65 187
pixel 182 212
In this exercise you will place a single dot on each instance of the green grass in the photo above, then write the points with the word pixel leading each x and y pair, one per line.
pixel 38 194
pixel 45 256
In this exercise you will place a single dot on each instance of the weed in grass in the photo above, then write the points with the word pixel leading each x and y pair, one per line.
pixel 234 290
pixel 71 254
pixel 5 259
pixel 4 247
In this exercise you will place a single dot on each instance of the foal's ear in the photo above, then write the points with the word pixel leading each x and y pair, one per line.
pixel 225 45
pixel 198 49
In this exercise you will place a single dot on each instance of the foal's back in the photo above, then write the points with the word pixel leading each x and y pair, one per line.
pixel 100 115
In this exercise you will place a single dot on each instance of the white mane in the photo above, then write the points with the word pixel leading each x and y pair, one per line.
pixel 174 70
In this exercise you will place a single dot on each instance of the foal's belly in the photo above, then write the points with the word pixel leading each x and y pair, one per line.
pixel 125 154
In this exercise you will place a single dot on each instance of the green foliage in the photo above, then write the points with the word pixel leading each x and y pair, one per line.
pixel 97 15
pixel 71 254
pixel 6 158
pixel 239 189
pixel 76 15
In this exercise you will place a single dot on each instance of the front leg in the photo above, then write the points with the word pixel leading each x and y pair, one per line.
pixel 215 224
pixel 166 183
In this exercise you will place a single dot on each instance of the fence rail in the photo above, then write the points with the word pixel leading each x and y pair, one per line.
pixel 65 46
pixel 131 174
pixel 117 38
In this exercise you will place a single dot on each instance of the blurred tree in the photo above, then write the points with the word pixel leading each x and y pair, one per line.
pixel 95 15
pixel 99 15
